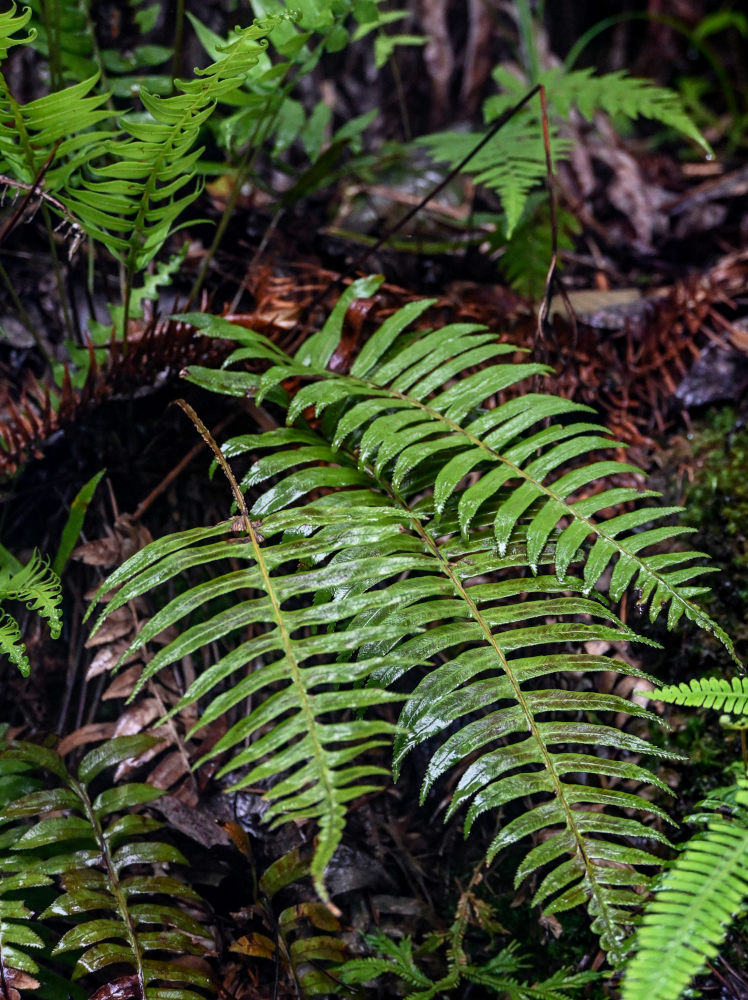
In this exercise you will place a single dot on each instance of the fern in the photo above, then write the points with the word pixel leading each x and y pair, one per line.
pixel 396 958
pixel 707 692
pixel 426 497
pixel 696 900
pixel 38 586
pixel 10 24
pixel 513 163
pixel 289 941
pixel 80 839
pixel 16 937
pixel 131 204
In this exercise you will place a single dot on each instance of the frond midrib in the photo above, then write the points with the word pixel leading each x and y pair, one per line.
pixel 546 756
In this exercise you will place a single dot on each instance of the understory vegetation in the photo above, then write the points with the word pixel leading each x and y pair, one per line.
pixel 414 588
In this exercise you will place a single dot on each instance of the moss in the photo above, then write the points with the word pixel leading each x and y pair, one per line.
pixel 717 501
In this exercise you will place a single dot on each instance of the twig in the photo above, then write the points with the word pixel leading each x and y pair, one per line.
pixel 172 475
pixel 411 213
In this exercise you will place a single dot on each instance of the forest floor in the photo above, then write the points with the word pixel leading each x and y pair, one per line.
pixel 657 343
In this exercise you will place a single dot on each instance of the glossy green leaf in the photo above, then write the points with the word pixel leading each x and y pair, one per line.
pixel 112 752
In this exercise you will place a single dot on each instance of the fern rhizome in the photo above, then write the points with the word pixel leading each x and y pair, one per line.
pixel 415 538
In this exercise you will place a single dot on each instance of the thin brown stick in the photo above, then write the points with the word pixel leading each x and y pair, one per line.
pixel 552 280
pixel 172 475
pixel 411 213
pixel 34 190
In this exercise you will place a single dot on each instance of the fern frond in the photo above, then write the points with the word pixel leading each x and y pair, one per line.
pixel 618 94
pixel 11 643
pixel 10 24
pixel 396 958
pixel 312 674
pixel 407 426
pixel 288 940
pixel 696 900
pixel 511 164
pixel 411 416
pixel 15 934
pixel 135 190
pixel 65 35
pixel 80 839
pixel 514 161
pixel 38 586
pixel 707 692
pixel 60 128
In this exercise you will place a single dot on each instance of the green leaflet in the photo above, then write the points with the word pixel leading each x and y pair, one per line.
pixel 10 24
pixel 707 692
pixel 117 918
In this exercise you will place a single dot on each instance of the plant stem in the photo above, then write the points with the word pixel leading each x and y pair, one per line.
pixel 528 47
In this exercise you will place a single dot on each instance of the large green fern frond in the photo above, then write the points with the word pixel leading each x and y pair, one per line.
pixel 696 900
pixel 93 845
pixel 309 675
pixel 403 422
pixel 435 516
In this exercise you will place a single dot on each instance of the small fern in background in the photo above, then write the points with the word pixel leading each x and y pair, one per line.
pixel 90 843
pixel 497 974
pixel 696 900
pixel 38 587
pixel 513 163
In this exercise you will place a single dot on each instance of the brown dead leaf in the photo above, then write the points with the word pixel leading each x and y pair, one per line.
pixel 200 824
pixel 15 980
pixel 169 770
pixel 104 552
pixel 93 733
pixel 118 624
pixel 552 924
pixel 133 763
pixel 123 684
pixel 136 717
pixel 122 988
pixel 108 657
